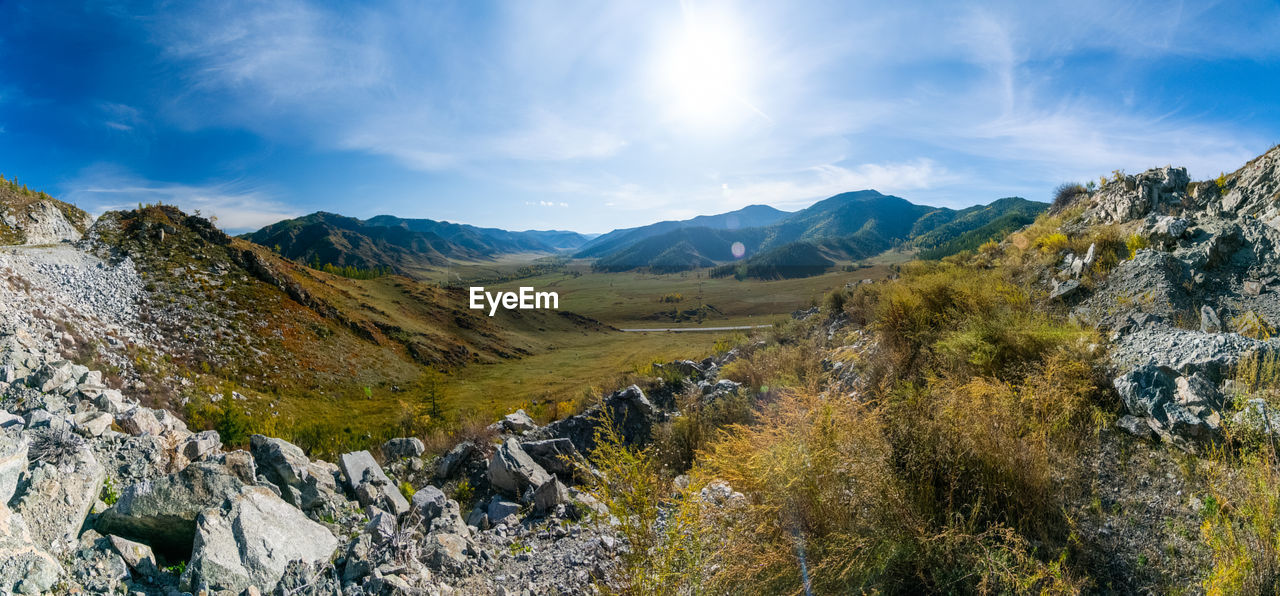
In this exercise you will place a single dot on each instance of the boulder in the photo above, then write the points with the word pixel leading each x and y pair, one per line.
pixel 366 479
pixel 136 555
pixel 500 508
pixel 58 497
pixel 302 482
pixel 550 495
pixel 429 502
pixel 1178 408
pixel 197 446
pixel 11 421
pixel 140 421
pixel 93 423
pixel 13 462
pixel 1209 321
pixel 1066 290
pixel 402 448
pixel 251 541
pixel 557 456
pixel 163 512
pixel 518 422
pixel 451 461
pixel 512 471
pixel 633 414
pixel 447 551
pixel 25 568
pixel 98 568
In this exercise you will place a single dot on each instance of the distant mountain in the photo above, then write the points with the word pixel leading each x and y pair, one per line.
pixel 407 246
pixel 751 216
pixel 847 226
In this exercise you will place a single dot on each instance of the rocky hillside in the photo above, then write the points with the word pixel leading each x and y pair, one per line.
pixel 32 217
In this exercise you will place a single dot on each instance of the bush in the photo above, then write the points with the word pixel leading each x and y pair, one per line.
pixel 1066 194
pixel 1136 243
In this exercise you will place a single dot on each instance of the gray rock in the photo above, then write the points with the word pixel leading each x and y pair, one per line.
pixel 252 540
pixel 11 421
pixel 382 526
pixel 163 512
pixel 1066 290
pixel 203 443
pixel 92 424
pixel 402 448
pixel 136 555
pixel 500 508
pixel 365 477
pixel 451 461
pixel 550 495
pixel 633 414
pixel 557 456
pixel 1178 408
pixel 1209 321
pixel 140 421
pixel 447 551
pixel 58 498
pixel 25 568
pixel 518 422
pixel 429 502
pixel 1135 426
pixel 1252 288
pixel 303 483
pixel 13 462
pixel 512 471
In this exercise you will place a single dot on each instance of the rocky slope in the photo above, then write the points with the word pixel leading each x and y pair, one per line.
pixel 31 217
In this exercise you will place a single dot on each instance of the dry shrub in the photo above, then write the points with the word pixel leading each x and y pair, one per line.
pixel 796 364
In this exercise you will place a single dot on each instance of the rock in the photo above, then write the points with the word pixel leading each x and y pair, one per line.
pixel 92 424
pixel 25 568
pixel 1135 426
pixel 203 443
pixel 136 555
pixel 361 472
pixel 500 508
pixel 98 568
pixel 403 448
pixel 1252 288
pixel 511 470
pixel 518 422
pixel 58 497
pixel 163 512
pixel 447 551
pixel 429 502
pixel 1066 290
pixel 111 402
pixel 303 483
pixel 550 495
pixel 252 540
pixel 140 421
pixel 382 526
pixel 1209 321
pixel 451 461
pixel 1174 404
pixel 53 377
pixel 557 456
pixel 13 462
pixel 633 414
pixel 11 421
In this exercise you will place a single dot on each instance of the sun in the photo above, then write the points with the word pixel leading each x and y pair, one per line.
pixel 703 73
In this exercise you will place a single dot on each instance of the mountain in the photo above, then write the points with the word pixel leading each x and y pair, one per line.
pixel 847 226
pixel 408 246
pixel 33 217
pixel 751 216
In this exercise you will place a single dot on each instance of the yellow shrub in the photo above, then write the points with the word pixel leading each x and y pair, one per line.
pixel 1052 243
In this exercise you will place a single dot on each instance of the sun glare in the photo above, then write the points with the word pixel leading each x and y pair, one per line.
pixel 703 73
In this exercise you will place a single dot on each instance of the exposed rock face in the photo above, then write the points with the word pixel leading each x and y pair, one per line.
pixel 1158 190
pixel 162 513
pixel 512 470
pixel 251 540
pixel 25 568
pixel 43 222
pixel 58 498
pixel 633 414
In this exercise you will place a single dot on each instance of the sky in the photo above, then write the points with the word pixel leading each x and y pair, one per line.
pixel 591 116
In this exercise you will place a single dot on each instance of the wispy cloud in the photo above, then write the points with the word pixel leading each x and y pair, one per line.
pixel 238 206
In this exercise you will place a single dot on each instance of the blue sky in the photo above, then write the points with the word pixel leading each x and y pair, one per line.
pixel 596 115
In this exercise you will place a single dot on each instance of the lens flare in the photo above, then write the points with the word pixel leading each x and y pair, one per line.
pixel 738 250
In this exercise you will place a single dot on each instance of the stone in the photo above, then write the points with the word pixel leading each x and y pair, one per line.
pixel 1252 288
pixel 512 471
pixel 447 551
pixel 629 409
pixel 1135 426
pixel 13 462
pixel 111 402
pixel 136 555
pixel 500 508
pixel 140 421
pixel 382 526
pixel 451 461
pixel 58 498
pixel 98 568
pixel 1209 321
pixel 251 541
pixel 53 376
pixel 518 422
pixel 25 568
pixel 92 424
pixel 163 512
pixel 402 448
pixel 550 495
pixel 11 421
pixel 557 456
pixel 203 443
pixel 429 502
pixel 1066 290
pixel 1178 408
pixel 359 469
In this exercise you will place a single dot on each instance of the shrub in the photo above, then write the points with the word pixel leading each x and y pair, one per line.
pixel 1066 194
pixel 833 302
pixel 1052 244
pixel 1135 243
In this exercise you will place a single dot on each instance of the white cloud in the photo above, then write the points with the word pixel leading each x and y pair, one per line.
pixel 238 207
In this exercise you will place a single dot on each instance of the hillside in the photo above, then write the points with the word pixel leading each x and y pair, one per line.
pixel 405 246
pixel 32 217
pixel 848 226
pixel 751 216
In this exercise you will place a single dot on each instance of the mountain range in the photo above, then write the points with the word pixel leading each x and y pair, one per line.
pixel 756 241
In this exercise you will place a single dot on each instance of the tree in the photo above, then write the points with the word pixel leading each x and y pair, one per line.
pixel 430 389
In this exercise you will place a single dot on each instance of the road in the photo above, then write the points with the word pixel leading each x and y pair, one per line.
pixel 680 329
